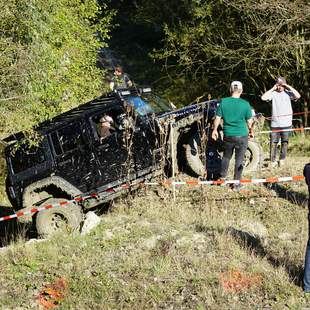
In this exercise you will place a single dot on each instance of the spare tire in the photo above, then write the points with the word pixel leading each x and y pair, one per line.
pixel 195 156
pixel 61 219
pixel 253 157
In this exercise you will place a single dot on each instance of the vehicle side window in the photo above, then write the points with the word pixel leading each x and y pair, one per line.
pixel 105 123
pixel 26 157
pixel 67 138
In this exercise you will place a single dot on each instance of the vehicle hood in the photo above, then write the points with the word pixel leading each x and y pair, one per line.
pixel 207 107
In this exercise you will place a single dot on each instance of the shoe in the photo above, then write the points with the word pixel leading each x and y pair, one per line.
pixel 273 164
pixel 237 187
pixel 222 180
pixel 281 162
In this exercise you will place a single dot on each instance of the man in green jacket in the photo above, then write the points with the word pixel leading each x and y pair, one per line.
pixel 237 125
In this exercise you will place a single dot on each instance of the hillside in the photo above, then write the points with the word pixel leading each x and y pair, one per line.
pixel 210 248
pixel 198 247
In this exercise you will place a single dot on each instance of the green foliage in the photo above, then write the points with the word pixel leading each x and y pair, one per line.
pixel 217 41
pixel 49 59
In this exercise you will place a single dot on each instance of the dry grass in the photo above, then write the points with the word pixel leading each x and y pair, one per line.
pixel 211 248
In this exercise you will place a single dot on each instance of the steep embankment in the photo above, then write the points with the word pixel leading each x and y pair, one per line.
pixel 210 248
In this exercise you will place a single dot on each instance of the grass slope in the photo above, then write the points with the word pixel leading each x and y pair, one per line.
pixel 211 248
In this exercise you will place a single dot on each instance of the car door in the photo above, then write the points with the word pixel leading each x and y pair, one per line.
pixel 74 159
pixel 110 150
pixel 145 144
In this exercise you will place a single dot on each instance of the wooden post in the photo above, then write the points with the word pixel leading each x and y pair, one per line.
pixel 306 113
pixel 173 155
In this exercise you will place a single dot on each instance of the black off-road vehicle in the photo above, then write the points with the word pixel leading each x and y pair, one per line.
pixel 75 157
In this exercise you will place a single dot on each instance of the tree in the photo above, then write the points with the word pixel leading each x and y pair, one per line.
pixel 48 63
pixel 221 40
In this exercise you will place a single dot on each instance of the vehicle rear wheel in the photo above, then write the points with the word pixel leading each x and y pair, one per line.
pixel 60 219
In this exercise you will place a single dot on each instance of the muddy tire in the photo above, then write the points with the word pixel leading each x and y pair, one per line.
pixel 253 157
pixel 63 219
pixel 194 155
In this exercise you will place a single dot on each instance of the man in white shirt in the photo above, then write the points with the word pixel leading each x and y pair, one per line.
pixel 280 95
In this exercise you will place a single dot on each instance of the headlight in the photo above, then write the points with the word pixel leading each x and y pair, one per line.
pixel 125 92
pixel 146 90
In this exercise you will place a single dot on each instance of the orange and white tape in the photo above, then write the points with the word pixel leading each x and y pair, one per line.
pixel 283 130
pixel 284 115
pixel 61 203
pixel 165 183
pixel 219 182
pixel 46 207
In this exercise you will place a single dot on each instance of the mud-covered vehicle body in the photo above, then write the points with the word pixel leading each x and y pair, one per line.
pixel 70 159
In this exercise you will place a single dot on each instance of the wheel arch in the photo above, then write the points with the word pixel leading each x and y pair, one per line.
pixel 54 186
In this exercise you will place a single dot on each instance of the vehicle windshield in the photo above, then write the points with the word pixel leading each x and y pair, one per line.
pixel 148 103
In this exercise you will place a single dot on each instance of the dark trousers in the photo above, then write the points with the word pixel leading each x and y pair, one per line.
pixel 307 258
pixel 239 145
pixel 275 137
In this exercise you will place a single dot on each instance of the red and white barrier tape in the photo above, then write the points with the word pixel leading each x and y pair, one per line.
pixel 219 182
pixel 284 115
pixel 60 204
pixel 283 130
pixel 165 183
pixel 46 207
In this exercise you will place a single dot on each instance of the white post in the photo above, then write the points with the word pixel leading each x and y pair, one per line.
pixel 173 157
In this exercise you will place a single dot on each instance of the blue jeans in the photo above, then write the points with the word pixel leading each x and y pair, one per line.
pixel 306 280
pixel 240 145
pixel 275 137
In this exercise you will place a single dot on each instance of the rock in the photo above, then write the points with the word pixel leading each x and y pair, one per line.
pixel 91 221
pixel 254 228
pixel 108 234
pixel 150 243
pixel 253 233
pixel 285 236
pixel 195 240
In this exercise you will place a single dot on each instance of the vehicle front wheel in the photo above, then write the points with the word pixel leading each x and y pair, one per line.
pixel 60 219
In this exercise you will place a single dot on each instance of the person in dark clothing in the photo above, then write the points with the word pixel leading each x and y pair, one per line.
pixel 306 280
pixel 120 79
pixel 237 124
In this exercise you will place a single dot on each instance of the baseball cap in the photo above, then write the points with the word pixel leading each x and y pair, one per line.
pixel 236 85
